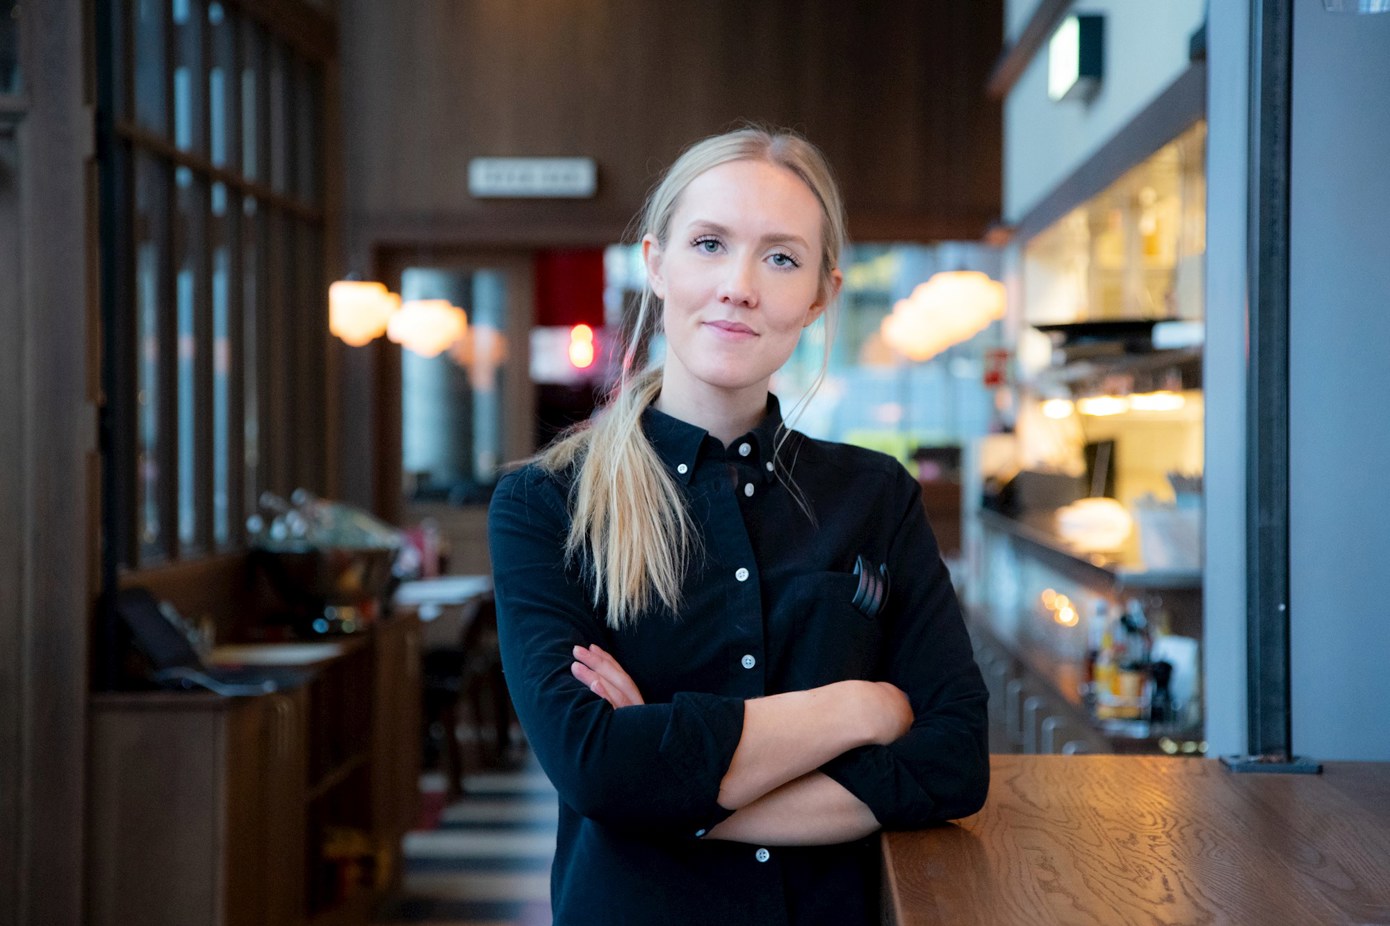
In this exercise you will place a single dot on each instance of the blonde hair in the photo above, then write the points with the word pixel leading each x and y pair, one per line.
pixel 629 521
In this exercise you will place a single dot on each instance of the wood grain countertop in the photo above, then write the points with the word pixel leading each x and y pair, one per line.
pixel 1113 840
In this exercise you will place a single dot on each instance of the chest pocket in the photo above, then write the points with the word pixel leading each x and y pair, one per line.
pixel 831 640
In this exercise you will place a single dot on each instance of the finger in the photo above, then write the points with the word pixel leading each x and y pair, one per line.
pixel 590 680
pixel 611 672
pixel 600 686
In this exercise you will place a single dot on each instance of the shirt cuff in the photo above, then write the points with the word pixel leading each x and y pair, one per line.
pixel 868 773
pixel 703 732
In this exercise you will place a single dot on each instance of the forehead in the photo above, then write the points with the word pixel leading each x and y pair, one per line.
pixel 757 197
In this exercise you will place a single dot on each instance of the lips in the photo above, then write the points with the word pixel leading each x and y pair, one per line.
pixel 731 327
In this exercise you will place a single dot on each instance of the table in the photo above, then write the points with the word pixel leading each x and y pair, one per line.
pixel 1111 840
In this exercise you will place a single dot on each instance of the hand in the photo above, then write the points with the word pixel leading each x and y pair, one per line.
pixel 602 675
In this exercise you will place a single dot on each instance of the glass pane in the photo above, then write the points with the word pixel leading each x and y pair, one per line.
pixel 190 102
pixel 252 272
pixel 279 118
pixel 252 81
pixel 9 46
pixel 151 269
pixel 222 236
pixel 451 413
pixel 189 249
pixel 151 95
pixel 223 87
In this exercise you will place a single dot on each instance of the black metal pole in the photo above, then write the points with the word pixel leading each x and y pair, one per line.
pixel 116 417
pixel 1267 415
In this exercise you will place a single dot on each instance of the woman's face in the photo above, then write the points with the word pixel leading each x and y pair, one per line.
pixel 739 278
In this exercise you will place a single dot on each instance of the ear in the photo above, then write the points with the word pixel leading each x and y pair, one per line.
pixel 651 257
pixel 817 309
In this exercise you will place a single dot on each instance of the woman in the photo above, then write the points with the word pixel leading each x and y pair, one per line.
pixel 735 650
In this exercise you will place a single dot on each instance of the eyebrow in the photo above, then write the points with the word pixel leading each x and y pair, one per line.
pixel 716 228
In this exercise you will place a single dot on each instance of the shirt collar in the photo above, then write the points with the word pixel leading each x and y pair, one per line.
pixel 680 444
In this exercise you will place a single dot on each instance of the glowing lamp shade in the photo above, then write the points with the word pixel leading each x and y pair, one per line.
pixel 358 310
pixel 1094 524
pixel 581 347
pixel 948 309
pixel 427 327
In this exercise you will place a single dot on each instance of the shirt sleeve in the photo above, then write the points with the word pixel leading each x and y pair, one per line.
pixel 654 768
pixel 940 769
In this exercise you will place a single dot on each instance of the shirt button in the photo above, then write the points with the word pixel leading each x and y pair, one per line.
pixel 682 469
pixel 744 449
pixel 699 833
pixel 748 661
pixel 762 855
pixel 769 466
pixel 741 574
pixel 748 490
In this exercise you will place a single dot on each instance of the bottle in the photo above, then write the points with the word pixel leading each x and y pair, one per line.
pixel 1095 631
pixel 1104 671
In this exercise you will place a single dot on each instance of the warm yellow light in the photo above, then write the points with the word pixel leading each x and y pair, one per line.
pixel 358 310
pixel 1067 616
pixel 482 350
pixel 427 327
pixel 1058 409
pixel 1164 400
pixel 1100 405
pixel 1049 598
pixel 582 333
pixel 946 310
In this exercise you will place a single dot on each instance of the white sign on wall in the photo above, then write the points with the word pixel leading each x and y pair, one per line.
pixel 560 178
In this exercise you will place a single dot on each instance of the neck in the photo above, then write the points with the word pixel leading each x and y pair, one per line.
pixel 724 414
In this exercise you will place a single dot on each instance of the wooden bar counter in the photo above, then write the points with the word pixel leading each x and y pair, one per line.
pixel 1112 840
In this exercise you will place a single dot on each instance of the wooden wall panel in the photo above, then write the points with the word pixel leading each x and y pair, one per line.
pixel 50 418
pixel 893 90
pixel 12 548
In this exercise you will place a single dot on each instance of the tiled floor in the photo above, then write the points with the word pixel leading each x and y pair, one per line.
pixel 486 861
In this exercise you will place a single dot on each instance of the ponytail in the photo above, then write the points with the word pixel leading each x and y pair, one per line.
pixel 629 524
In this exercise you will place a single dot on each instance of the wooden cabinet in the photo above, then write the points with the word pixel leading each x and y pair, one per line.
pixel 197 809
pixel 284 808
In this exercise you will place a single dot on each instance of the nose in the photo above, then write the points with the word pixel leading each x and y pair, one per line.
pixel 738 287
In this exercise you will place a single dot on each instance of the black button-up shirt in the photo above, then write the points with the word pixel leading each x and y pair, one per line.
pixel 769 605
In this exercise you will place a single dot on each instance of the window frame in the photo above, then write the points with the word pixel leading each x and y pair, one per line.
pixel 266 380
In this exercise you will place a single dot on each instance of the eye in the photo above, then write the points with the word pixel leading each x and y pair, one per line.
pixel 706 244
pixel 783 259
